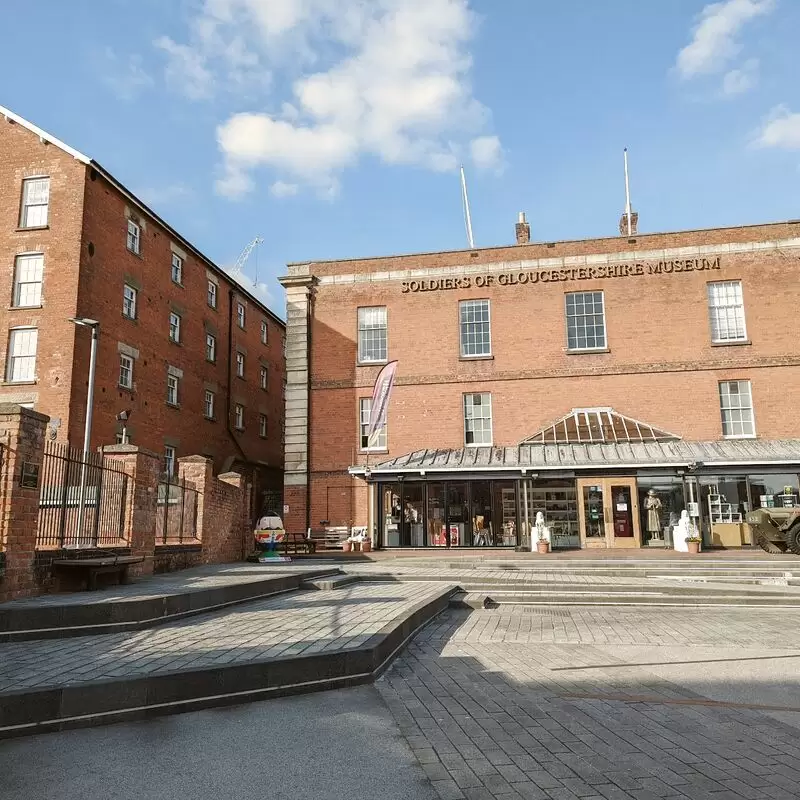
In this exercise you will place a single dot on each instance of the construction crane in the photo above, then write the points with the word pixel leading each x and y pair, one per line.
pixel 238 267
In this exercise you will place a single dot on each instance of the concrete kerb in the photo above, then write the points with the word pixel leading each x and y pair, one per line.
pixel 64 621
pixel 24 713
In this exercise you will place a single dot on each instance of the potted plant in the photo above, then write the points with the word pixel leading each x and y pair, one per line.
pixel 347 546
pixel 542 545
pixel 693 544
pixel 366 546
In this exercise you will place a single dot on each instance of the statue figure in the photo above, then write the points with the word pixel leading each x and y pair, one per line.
pixel 540 531
pixel 653 507
pixel 683 529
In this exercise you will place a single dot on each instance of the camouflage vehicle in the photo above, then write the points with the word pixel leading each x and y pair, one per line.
pixel 776 530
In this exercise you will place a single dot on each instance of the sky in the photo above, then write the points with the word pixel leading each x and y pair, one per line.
pixel 335 128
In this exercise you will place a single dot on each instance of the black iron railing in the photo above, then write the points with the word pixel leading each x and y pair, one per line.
pixel 176 512
pixel 82 499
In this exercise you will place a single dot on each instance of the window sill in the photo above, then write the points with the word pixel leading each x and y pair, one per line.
pixel 588 351
pixel 211 361
pixel 33 228
pixel 372 363
pixel 176 341
pixel 130 319
pixel 241 377
pixel 238 430
pixel 740 436
pixel 736 343
pixel 134 253
pixel 488 444
pixel 373 450
pixel 213 308
pixel 178 283
pixel 210 419
pixel 262 437
pixel 24 308
pixel 476 358
pixel 19 383
pixel 125 388
pixel 173 405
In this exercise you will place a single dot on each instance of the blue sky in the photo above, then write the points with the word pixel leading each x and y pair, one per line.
pixel 334 128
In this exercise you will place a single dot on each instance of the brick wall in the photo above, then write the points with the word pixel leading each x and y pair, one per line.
pixel 660 365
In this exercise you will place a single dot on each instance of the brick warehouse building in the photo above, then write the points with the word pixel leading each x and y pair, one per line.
pixel 195 357
pixel 564 377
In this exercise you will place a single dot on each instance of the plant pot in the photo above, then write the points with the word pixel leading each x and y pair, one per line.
pixel 693 547
pixel 366 546
pixel 542 547
pixel 347 547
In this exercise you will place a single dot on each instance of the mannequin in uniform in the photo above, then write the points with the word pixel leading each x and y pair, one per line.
pixel 653 507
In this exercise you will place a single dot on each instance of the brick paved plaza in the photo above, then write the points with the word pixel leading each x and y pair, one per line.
pixel 506 704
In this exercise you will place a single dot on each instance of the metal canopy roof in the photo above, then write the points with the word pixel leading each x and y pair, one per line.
pixel 593 457
pixel 598 425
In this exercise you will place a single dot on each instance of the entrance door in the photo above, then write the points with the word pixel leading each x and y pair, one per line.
pixel 609 512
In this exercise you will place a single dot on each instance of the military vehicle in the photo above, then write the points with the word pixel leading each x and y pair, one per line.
pixel 776 530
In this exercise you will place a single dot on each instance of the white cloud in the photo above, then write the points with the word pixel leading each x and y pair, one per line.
pixel 386 78
pixel 164 195
pixel 282 189
pixel 487 153
pixel 126 78
pixel 715 42
pixel 186 69
pixel 741 80
pixel 780 129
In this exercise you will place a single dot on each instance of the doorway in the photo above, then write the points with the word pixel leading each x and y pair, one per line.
pixel 609 513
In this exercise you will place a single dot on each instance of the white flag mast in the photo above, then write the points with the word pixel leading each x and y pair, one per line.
pixel 627 193
pixel 467 217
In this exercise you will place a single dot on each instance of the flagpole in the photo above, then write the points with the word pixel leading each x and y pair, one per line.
pixel 627 192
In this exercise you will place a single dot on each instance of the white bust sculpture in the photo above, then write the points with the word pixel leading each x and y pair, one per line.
pixel 683 529
pixel 540 531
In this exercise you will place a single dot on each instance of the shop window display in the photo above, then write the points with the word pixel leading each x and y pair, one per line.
pixel 437 530
pixel 661 501
pixel 774 491
pixel 724 500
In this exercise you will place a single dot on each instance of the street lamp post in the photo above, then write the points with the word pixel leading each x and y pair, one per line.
pixel 94 325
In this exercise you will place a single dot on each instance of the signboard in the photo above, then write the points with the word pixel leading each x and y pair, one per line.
pixel 381 393
pixel 29 477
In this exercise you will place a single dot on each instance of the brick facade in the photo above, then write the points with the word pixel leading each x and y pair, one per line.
pixel 86 264
pixel 659 365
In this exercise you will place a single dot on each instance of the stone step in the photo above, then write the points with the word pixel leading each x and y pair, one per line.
pixel 326 583
pixel 489 600
pixel 132 607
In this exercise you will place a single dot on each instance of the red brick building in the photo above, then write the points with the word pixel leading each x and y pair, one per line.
pixel 569 378
pixel 196 358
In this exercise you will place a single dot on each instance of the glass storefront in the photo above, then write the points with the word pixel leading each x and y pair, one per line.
pixel 593 512
pixel 661 500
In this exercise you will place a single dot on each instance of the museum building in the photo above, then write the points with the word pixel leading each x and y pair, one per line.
pixel 608 383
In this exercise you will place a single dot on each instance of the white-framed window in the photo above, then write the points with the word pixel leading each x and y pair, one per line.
pixel 211 297
pixel 475 328
pixel 169 460
pixel 372 335
pixel 125 371
pixel 173 382
pixel 379 439
pixel 736 407
pixel 238 416
pixel 35 202
pixel 586 321
pixel 21 366
pixel 175 327
pixel 177 268
pixel 208 407
pixel 726 312
pixel 134 237
pixel 211 347
pixel 129 296
pixel 264 378
pixel 262 426
pixel 28 274
pixel 264 331
pixel 477 419
pixel 240 315
pixel 240 365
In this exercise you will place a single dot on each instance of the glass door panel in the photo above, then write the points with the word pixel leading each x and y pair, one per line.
pixel 592 514
pixel 458 514
pixel 413 528
pixel 437 530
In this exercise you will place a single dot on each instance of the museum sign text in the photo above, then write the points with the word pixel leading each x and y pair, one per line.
pixel 601 271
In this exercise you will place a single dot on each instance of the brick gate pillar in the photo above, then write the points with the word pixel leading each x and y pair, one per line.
pixel 22 434
pixel 143 467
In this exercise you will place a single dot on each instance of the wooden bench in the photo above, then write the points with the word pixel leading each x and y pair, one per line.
pixel 96 565
pixel 328 538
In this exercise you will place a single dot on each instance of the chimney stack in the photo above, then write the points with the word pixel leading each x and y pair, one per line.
pixel 523 229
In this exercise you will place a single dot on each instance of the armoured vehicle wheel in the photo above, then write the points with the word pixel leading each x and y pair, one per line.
pixel 793 539
pixel 776 548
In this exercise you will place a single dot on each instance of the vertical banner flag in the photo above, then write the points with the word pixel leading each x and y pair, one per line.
pixel 380 398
